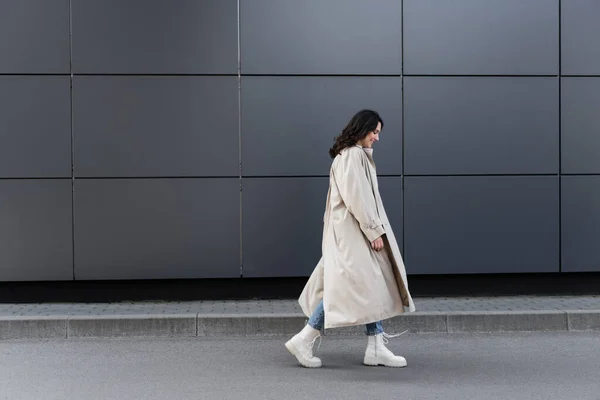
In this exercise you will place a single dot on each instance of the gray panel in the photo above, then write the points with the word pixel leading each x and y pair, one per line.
pixel 481 125
pixel 157 228
pixel 289 123
pixel 156 126
pixel 579 37
pixel 155 36
pixel 479 224
pixel 390 188
pixel 34 36
pixel 580 223
pixel 35 126
pixel 321 37
pixel 283 223
pixel 580 122
pixel 36 240
pixel 481 37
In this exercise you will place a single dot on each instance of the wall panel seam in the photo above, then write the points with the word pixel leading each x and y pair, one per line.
pixel 559 136
pixel 239 94
pixel 72 136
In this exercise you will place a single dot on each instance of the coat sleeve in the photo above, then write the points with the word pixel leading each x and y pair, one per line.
pixel 357 193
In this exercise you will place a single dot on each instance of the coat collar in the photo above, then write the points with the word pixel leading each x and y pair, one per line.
pixel 368 151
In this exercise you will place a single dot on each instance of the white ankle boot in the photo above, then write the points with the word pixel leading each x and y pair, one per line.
pixel 378 354
pixel 302 345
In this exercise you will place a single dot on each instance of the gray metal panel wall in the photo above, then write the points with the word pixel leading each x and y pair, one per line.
pixel 580 30
pixel 580 125
pixel 163 121
pixel 172 126
pixel 481 224
pixel 156 228
pixel 580 223
pixel 289 123
pixel 321 37
pixel 35 126
pixel 35 230
pixel 155 36
pixel 282 225
pixel 497 37
pixel 164 92
pixel 466 125
pixel 390 188
pixel 34 36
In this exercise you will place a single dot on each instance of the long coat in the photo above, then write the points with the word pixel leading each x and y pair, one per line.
pixel 357 284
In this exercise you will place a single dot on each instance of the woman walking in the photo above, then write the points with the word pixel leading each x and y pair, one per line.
pixel 360 278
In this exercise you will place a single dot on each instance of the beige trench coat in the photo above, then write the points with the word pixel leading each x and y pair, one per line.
pixel 358 285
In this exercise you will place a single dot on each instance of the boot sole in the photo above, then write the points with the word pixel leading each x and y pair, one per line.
pixel 385 365
pixel 292 349
pixel 376 364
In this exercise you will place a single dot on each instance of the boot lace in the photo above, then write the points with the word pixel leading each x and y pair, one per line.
pixel 310 346
pixel 387 336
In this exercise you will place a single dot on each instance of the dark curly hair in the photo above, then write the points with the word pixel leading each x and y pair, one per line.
pixel 358 128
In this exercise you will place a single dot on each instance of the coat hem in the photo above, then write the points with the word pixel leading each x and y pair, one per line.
pixel 383 317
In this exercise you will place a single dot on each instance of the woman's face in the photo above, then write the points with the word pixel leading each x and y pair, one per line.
pixel 371 137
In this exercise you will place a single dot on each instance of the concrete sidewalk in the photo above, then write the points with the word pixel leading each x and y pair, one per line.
pixel 283 317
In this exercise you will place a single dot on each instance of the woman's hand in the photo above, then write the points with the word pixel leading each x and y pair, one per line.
pixel 377 244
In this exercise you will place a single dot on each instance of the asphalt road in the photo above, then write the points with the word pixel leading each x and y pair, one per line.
pixel 500 366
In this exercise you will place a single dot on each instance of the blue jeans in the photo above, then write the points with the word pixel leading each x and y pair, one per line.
pixel 317 321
